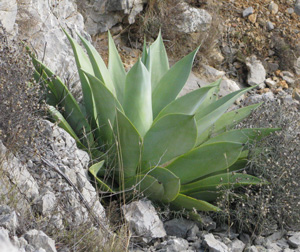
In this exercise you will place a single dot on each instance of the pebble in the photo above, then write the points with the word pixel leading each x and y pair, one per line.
pixel 270 26
pixel 248 11
pixel 273 8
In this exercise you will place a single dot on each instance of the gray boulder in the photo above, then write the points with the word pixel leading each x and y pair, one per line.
pixel 214 245
pixel 8 14
pixel 179 227
pixel 5 243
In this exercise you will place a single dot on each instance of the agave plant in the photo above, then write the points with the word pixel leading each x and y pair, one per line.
pixel 178 150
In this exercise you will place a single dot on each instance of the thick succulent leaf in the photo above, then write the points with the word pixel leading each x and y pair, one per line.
pixel 170 181
pixel 145 52
pixel 116 69
pixel 228 120
pixel 137 102
pixel 189 203
pixel 189 103
pixel 129 145
pixel 209 115
pixel 157 61
pixel 221 182
pixel 62 122
pixel 170 85
pixel 72 112
pixel 83 63
pixel 100 70
pixel 169 137
pixel 95 170
pixel 147 185
pixel 208 196
pixel 242 135
pixel 106 105
pixel 205 160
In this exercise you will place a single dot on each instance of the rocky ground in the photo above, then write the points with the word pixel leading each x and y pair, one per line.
pixel 48 203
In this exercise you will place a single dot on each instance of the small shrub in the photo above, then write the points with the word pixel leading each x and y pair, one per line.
pixel 277 158
pixel 19 95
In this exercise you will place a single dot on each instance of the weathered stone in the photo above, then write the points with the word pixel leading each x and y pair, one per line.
pixel 273 246
pixel 143 220
pixel 192 84
pixel 270 83
pixel 8 13
pixel 237 246
pixel 256 71
pixel 46 203
pixel 178 227
pixel 9 220
pixel 38 239
pixel 177 244
pixel 18 174
pixel 270 26
pixel 294 240
pixel 248 11
pixel 297 66
pixel 212 73
pixel 192 19
pixel 297 7
pixel 273 8
pixel 100 16
pixel 5 243
pixel 228 86
pixel 39 23
pixel 207 223
pixel 251 249
pixel 214 245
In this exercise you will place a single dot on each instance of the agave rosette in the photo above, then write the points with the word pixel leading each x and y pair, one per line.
pixel 178 150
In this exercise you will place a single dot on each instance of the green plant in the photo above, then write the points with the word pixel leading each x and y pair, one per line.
pixel 174 150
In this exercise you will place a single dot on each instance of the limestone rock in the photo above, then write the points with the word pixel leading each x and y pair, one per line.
pixel 294 240
pixel 214 245
pixel 228 86
pixel 99 16
pixel 192 19
pixel 237 246
pixel 8 13
pixel 39 239
pixel 178 227
pixel 177 244
pixel 256 71
pixel 8 219
pixel 248 11
pixel 5 243
pixel 39 24
pixel 143 220
pixel 297 7
pixel 18 174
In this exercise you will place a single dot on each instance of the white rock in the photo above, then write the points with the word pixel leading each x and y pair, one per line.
pixel 248 11
pixel 8 13
pixel 214 245
pixel 273 8
pixel 38 239
pixel 192 19
pixel 212 72
pixel 39 24
pixel 256 71
pixel 237 246
pixel 270 83
pixel 5 243
pixel 177 244
pixel 18 174
pixel 47 203
pixel 192 84
pixel 143 220
pixel 251 249
pixel 297 66
pixel 9 221
pixel 294 240
pixel 228 86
